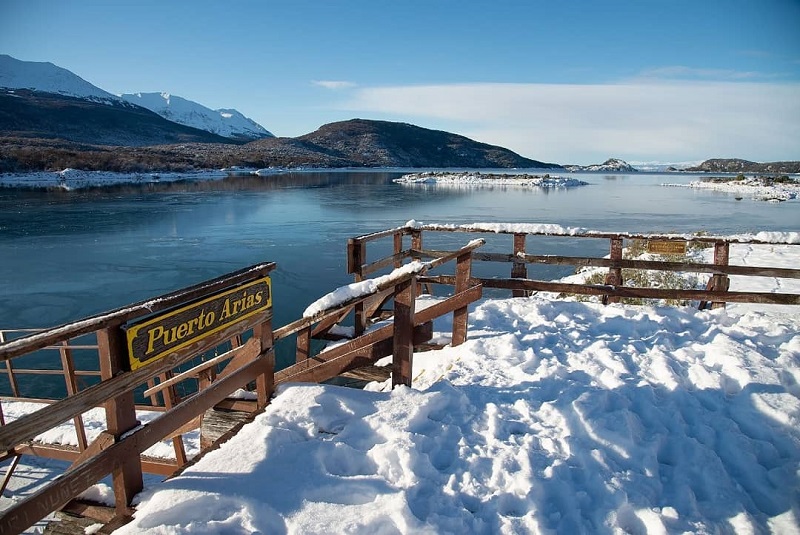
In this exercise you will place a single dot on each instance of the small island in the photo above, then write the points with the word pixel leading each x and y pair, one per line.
pixel 764 188
pixel 475 178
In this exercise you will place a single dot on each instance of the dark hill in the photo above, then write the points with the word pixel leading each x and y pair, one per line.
pixel 736 165
pixel 37 114
pixel 93 144
pixel 389 144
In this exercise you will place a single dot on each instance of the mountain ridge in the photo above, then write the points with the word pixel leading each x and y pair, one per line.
pixel 738 165
pixel 226 122
pixel 49 79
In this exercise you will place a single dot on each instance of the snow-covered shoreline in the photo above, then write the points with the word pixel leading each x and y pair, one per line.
pixel 76 179
pixel 752 187
pixel 476 178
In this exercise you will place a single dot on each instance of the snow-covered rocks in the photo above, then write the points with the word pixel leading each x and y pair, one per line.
pixel 612 164
pixel 475 178
pixel 759 188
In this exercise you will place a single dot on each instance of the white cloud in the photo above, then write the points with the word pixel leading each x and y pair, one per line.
pixel 683 72
pixel 334 84
pixel 645 120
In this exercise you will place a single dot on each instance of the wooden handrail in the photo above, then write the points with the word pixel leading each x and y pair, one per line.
pixel 119 316
pixel 495 228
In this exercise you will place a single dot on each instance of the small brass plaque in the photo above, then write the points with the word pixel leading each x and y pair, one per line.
pixel 666 247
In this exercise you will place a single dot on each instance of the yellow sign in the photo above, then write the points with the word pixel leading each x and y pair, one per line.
pixel 666 247
pixel 158 337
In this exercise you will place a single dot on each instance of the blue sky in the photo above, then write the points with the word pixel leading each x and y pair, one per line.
pixel 570 82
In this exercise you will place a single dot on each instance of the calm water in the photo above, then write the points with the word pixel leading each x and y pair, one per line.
pixel 66 255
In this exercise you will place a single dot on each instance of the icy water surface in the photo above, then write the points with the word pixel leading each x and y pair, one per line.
pixel 66 255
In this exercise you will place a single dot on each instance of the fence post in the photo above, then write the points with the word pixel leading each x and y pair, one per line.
pixel 519 269
pixel 460 316
pixel 614 277
pixel 403 342
pixel 265 382
pixel 303 351
pixel 721 282
pixel 398 248
pixel 120 416
pixel 416 244
pixel 356 256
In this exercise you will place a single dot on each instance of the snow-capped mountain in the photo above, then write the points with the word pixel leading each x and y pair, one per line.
pixel 44 76
pixel 223 122
pixel 612 164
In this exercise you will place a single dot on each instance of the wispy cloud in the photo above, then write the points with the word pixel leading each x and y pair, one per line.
pixel 334 84
pixel 670 120
pixel 690 73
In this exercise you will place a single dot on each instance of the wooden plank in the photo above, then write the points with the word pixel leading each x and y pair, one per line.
pixel 653 265
pixel 303 350
pixel 393 260
pixel 601 235
pixel 403 346
pixel 250 350
pixel 460 315
pixel 96 512
pixel 645 293
pixel 120 416
pixel 103 441
pixel 369 373
pixel 364 354
pixel 323 326
pixel 28 426
pixel 518 267
pixel 217 422
pixel 150 465
pixel 265 381
pixel 397 249
pixel 356 255
pixel 25 513
pixel 721 282
pixel 614 276
pixel 118 316
pixel 382 234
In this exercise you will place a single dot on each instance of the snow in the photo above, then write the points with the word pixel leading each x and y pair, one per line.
pixel 224 122
pixel 42 76
pixel 775 237
pixel 554 417
pixel 355 290
pixel 752 187
pixel 475 178
pixel 94 422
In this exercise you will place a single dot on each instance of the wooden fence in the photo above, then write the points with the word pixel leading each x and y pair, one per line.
pixel 248 357
pixel 716 293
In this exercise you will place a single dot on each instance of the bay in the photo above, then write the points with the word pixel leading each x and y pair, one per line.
pixel 67 255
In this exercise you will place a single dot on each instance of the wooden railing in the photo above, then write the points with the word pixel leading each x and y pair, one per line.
pixel 118 450
pixel 717 291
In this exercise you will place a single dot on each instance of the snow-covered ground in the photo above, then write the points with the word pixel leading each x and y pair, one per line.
pixel 474 178
pixel 554 417
pixel 751 187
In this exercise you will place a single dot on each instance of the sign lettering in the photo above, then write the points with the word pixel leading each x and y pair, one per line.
pixel 666 247
pixel 162 335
